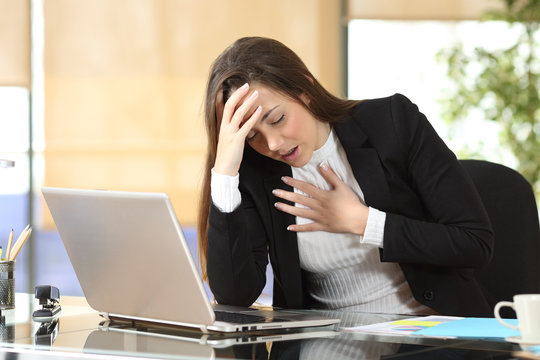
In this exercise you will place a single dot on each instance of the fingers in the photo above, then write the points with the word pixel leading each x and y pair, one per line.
pixel 316 225
pixel 234 114
pixel 297 211
pixel 296 198
pixel 303 186
pixel 230 105
pixel 338 210
pixel 239 115
pixel 329 175
pixel 244 109
pixel 244 130
pixel 311 201
pixel 306 227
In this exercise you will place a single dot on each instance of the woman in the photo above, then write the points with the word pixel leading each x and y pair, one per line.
pixel 358 204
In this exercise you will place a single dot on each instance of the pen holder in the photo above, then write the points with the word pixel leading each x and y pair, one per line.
pixel 7 330
pixel 7 285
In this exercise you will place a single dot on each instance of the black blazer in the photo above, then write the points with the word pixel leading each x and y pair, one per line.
pixel 436 226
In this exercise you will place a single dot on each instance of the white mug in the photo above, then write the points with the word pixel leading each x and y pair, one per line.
pixel 527 308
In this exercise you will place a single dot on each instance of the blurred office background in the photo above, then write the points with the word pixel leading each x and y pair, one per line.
pixel 109 94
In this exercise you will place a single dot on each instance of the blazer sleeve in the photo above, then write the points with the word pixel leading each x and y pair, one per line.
pixel 456 231
pixel 237 254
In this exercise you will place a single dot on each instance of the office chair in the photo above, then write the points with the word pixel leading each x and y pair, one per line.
pixel 511 206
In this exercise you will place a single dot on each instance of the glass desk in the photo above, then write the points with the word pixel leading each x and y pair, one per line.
pixel 79 332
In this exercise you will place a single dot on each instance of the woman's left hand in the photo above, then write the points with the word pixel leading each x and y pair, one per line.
pixel 338 210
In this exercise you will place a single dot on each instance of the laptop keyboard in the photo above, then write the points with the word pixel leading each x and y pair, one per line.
pixel 241 318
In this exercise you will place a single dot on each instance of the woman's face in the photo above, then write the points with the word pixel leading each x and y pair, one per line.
pixel 287 132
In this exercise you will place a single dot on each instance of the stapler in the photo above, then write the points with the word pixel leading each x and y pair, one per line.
pixel 49 299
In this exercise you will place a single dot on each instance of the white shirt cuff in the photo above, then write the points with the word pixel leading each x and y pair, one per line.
pixel 374 233
pixel 224 191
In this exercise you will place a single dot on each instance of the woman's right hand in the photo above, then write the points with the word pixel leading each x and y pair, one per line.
pixel 233 130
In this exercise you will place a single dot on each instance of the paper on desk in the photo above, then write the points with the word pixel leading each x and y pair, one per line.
pixel 479 328
pixel 403 327
pixel 532 352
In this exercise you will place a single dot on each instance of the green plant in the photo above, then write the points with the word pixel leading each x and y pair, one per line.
pixel 504 85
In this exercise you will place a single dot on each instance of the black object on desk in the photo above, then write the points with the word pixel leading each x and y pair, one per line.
pixel 49 299
pixel 47 332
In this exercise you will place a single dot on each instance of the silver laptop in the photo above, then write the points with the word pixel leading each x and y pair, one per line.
pixel 132 261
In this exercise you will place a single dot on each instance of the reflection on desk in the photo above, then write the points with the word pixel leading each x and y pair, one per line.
pixel 81 333
pixel 47 332
pixel 342 346
pixel 7 330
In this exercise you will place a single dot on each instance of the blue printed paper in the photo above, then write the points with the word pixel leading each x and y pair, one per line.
pixel 480 328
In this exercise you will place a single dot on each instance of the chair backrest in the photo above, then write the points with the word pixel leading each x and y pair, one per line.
pixel 510 203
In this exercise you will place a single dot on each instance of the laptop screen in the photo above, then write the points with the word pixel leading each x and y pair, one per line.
pixel 129 254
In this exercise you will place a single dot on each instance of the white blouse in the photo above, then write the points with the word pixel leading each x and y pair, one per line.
pixel 344 270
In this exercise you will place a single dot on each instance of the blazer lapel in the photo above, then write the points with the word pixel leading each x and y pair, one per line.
pixel 284 245
pixel 365 163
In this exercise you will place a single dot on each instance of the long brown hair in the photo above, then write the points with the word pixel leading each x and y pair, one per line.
pixel 268 63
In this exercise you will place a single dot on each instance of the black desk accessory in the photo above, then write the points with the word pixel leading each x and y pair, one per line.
pixel 47 332
pixel 49 299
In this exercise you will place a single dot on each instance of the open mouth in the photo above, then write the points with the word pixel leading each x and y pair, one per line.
pixel 291 154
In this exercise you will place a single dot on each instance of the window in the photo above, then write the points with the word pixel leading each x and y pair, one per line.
pixel 387 57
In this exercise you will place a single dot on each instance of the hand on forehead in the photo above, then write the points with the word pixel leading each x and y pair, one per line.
pixel 265 98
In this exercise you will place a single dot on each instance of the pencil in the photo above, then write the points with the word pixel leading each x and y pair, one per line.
pixel 21 236
pixel 20 242
pixel 10 242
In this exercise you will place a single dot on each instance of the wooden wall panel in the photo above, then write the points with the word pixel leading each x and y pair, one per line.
pixel 14 43
pixel 125 80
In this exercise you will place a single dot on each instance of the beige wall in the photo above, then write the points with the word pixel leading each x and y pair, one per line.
pixel 124 79
pixel 124 84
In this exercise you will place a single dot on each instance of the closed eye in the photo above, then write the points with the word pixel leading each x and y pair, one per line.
pixel 252 134
pixel 278 120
